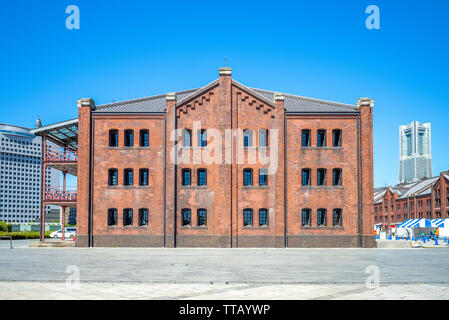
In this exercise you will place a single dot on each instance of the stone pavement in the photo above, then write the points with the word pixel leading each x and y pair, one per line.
pixel 23 290
pixel 158 273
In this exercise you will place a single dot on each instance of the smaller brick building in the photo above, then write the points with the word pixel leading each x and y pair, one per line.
pixel 427 198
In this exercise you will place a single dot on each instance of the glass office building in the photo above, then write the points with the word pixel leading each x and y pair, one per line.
pixel 20 175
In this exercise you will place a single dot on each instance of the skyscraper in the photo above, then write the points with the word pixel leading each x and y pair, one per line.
pixel 20 175
pixel 415 156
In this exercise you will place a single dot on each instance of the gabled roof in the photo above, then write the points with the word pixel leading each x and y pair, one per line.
pixel 292 103
pixel 422 187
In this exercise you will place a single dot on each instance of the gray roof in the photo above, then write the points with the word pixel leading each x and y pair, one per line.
pixel 420 188
pixel 292 103
pixel 153 104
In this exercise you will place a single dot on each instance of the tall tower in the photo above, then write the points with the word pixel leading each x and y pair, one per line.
pixel 415 156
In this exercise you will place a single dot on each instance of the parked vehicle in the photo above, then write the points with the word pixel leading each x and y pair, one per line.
pixel 69 233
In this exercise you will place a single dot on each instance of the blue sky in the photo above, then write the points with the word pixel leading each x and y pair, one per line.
pixel 321 49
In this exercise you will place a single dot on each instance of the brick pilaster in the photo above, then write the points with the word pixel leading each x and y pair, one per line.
pixel 85 107
pixel 365 106
pixel 170 173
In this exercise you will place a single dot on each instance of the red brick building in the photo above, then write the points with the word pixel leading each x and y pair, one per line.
pixel 427 198
pixel 316 189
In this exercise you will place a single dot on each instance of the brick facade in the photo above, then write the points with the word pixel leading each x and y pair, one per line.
pixel 427 198
pixel 225 105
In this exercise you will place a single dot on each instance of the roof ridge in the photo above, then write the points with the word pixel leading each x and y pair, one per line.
pixel 337 104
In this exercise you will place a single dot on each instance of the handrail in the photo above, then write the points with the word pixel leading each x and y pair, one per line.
pixel 57 194
pixel 10 240
pixel 53 154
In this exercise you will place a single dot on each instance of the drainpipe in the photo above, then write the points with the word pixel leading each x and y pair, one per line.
pixel 359 242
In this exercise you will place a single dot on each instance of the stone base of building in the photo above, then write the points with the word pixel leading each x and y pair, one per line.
pixel 187 241
pixel 330 241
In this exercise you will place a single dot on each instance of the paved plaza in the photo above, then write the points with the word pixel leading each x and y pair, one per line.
pixel 148 273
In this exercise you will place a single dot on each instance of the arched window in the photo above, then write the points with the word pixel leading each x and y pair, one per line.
pixel 202 138
pixel 321 217
pixel 127 217
pixel 129 138
pixel 263 177
pixel 128 177
pixel 113 177
pixel 143 177
pixel 186 177
pixel 247 177
pixel 113 138
pixel 336 177
pixel 202 217
pixel 336 138
pixel 248 217
pixel 187 137
pixel 321 138
pixel 186 217
pixel 202 177
pixel 305 177
pixel 143 217
pixel 305 138
pixel 247 138
pixel 144 138
pixel 321 177
pixel 306 217
pixel 263 138
pixel 263 217
pixel 112 217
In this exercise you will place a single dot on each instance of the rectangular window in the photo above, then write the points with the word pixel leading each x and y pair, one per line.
pixel 112 217
pixel 263 138
pixel 144 138
pixel 143 217
pixel 337 177
pixel 129 138
pixel 127 217
pixel 263 177
pixel 202 217
pixel 247 177
pixel 186 179
pixel 321 177
pixel 202 177
pixel 305 181
pixel 305 138
pixel 336 138
pixel 128 177
pixel 248 217
pixel 337 218
pixel 321 217
pixel 306 217
pixel 113 138
pixel 143 177
pixel 186 217
pixel 321 138
pixel 113 177
pixel 263 217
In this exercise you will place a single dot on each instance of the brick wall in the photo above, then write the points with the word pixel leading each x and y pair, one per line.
pixel 225 105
